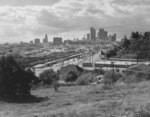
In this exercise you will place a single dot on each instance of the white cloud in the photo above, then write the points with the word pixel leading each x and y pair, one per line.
pixel 27 20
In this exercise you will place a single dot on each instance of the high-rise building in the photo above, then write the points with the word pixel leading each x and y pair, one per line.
pixel 57 40
pixel 93 33
pixel 102 34
pixel 37 41
pixel 45 40
pixel 114 37
pixel 105 35
pixel 88 36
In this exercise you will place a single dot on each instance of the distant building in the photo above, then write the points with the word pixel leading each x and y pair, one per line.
pixel 105 35
pixel 31 42
pixel 102 34
pixel 112 37
pixel 57 40
pixel 93 33
pixel 45 40
pixel 37 41
pixel 88 36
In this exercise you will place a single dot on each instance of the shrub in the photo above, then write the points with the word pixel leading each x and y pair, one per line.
pixel 99 71
pixel 65 72
pixel 71 77
pixel 135 76
pixel 14 81
pixel 111 77
pixel 47 77
pixel 85 79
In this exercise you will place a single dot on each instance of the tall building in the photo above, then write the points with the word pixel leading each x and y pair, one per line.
pixel 102 34
pixel 93 33
pixel 88 36
pixel 114 37
pixel 105 35
pixel 45 40
pixel 57 40
pixel 37 41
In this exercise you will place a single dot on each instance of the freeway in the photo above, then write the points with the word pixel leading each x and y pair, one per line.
pixel 88 58
pixel 58 64
pixel 47 64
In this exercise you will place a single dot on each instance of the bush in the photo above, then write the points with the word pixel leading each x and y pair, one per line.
pixel 135 76
pixel 85 79
pixel 48 76
pixel 71 77
pixel 111 77
pixel 99 71
pixel 69 70
pixel 14 81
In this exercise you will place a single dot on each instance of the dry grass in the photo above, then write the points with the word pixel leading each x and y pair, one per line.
pixel 83 101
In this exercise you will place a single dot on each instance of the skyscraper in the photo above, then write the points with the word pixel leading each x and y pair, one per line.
pixel 88 36
pixel 45 40
pixel 93 33
pixel 102 34
pixel 105 35
pixel 114 37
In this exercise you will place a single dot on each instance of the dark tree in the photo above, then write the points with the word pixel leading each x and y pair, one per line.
pixel 126 43
pixel 14 81
pixel 72 76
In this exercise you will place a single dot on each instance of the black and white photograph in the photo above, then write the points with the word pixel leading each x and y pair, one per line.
pixel 74 58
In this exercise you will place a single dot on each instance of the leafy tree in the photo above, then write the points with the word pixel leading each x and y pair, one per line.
pixel 138 44
pixel 126 43
pixel 111 53
pixel 47 77
pixel 14 81
pixel 71 77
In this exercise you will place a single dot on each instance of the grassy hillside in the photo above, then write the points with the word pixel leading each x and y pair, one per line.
pixel 83 101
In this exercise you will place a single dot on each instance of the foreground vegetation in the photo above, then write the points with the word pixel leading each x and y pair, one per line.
pixel 118 96
pixel 15 80
pixel 85 101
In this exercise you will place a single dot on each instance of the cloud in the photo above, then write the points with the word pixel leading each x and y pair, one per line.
pixel 132 2
pixel 26 20
pixel 27 2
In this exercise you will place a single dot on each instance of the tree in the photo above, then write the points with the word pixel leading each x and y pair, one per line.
pixel 14 81
pixel 47 77
pixel 72 76
pixel 126 43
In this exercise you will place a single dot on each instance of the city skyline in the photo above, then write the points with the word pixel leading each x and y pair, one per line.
pixel 22 20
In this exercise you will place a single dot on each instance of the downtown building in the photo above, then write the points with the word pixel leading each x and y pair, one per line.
pixel 102 34
pixel 37 41
pixel 112 37
pixel 88 36
pixel 45 40
pixel 92 34
pixel 57 41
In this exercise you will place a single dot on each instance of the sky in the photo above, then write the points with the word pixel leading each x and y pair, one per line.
pixel 24 20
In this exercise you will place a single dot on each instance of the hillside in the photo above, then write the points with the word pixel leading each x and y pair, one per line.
pixel 82 101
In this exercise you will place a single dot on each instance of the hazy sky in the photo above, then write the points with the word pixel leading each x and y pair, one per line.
pixel 24 20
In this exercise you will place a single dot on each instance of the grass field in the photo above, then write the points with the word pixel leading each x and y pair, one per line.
pixel 82 101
